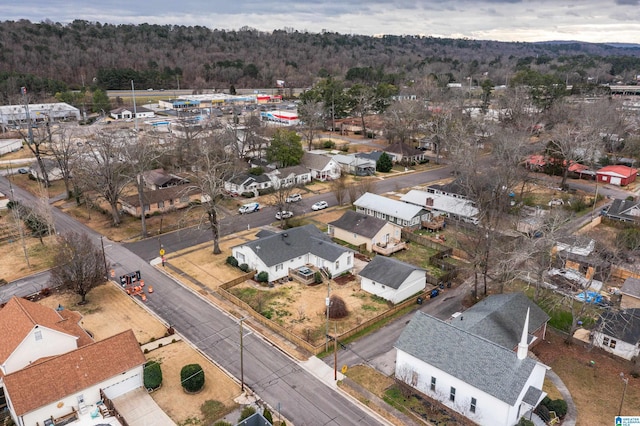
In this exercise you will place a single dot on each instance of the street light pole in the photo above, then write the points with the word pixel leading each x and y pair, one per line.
pixel 327 304
pixel 624 391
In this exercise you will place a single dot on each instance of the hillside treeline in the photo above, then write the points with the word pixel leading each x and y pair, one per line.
pixel 49 57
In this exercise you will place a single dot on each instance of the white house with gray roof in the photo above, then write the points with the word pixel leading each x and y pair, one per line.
pixel 483 381
pixel 303 246
pixel 500 318
pixel 403 214
pixel 322 167
pixel 443 204
pixel 392 279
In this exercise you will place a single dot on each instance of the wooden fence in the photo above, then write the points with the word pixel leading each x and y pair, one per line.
pixel 294 338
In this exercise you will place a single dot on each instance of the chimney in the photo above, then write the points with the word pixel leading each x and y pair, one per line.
pixel 523 346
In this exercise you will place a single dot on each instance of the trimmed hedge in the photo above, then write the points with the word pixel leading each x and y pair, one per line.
pixel 232 261
pixel 244 267
pixel 152 376
pixel 262 277
pixel 192 377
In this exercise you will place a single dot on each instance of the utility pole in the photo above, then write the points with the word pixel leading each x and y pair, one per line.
pixel 328 304
pixel 135 113
pixel 335 351
pixel 104 258
pixel 241 358
pixel 23 91
pixel 624 391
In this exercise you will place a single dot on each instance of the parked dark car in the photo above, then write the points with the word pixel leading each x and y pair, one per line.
pixel 434 293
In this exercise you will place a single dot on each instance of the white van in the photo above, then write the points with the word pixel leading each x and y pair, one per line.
pixel 249 208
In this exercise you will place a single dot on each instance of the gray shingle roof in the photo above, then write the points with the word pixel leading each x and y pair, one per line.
pixel 294 242
pixel 631 287
pixel 315 161
pixel 500 318
pixel 358 223
pixel 624 210
pixel 388 271
pixel 472 359
pixel 623 325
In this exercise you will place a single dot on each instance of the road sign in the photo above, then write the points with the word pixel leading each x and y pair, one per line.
pixel 162 252
pixel 344 369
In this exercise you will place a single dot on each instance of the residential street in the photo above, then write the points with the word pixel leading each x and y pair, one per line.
pixel 275 377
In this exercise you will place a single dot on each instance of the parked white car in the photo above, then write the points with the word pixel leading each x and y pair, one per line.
pixel 320 205
pixel 284 215
pixel 249 208
pixel 293 198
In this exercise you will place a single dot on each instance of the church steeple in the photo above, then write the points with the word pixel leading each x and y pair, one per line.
pixel 523 346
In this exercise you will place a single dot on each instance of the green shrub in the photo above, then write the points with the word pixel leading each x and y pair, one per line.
pixel 262 277
pixel 152 376
pixel 328 144
pixel 559 406
pixel 317 277
pixel 256 171
pixel 244 267
pixel 232 261
pixel 267 415
pixel 247 194
pixel 246 413
pixel 525 422
pixel 192 377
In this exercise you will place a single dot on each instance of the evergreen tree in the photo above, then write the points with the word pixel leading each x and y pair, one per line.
pixel 384 163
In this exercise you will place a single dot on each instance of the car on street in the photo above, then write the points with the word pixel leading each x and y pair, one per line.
pixel 23 171
pixel 320 205
pixel 293 198
pixel 249 208
pixel 286 214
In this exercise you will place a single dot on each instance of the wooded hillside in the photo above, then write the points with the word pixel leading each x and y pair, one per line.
pixel 50 57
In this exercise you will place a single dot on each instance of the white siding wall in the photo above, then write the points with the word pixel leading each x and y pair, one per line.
pixel 52 343
pixel 622 349
pixel 490 411
pixel 413 284
pixel 91 396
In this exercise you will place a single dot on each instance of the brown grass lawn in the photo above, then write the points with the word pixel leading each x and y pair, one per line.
pixel 596 391
pixel 111 311
pixel 179 405
pixel 370 378
pixel 13 263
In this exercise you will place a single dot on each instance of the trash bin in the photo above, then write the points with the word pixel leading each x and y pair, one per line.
pixel 419 301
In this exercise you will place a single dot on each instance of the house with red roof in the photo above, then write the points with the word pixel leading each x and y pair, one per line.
pixel 617 175
pixel 51 370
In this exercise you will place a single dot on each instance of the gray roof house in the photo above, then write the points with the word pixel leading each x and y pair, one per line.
pixel 485 382
pixel 618 332
pixel 247 183
pixel 403 214
pixel 392 279
pixel 283 253
pixel 322 167
pixel 375 234
pixel 499 318
pixel 624 210
pixel 630 292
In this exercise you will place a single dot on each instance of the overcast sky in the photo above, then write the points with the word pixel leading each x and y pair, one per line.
pixel 504 20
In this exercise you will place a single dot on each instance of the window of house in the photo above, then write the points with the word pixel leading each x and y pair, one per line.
pixel 240 257
pixel 38 335
pixel 147 207
pixel 184 199
pixel 433 384
pixel 279 267
pixel 383 287
pixel 171 202
pixel 605 341
pixel 349 260
pixel 414 379
pixel 612 344
pixel 161 204
pixel 452 394
pixel 337 264
pixel 472 408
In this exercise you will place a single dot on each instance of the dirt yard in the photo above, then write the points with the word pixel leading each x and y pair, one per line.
pixel 13 263
pixel 110 311
pixel 596 390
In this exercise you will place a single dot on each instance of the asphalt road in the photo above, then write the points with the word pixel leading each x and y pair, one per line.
pixel 275 377
pixel 234 222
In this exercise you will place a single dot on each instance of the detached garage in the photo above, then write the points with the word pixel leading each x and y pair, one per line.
pixel 617 175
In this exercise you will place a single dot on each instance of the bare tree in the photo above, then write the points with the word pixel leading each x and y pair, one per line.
pixel 103 169
pixel 311 115
pixel 215 165
pixel 143 154
pixel 402 120
pixel 80 265
pixel 339 188
pixel 63 149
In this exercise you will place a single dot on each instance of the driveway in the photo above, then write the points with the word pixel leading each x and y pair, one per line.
pixel 139 409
